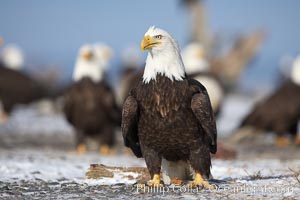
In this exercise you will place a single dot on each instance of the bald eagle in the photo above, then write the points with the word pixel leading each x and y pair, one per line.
pixel 89 102
pixel 131 73
pixel 198 68
pixel 167 118
pixel 279 112
pixel 16 87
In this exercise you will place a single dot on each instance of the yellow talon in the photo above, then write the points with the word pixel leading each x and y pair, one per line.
pixel 105 150
pixel 81 149
pixel 199 181
pixel 282 141
pixel 3 117
pixel 155 182
pixel 297 139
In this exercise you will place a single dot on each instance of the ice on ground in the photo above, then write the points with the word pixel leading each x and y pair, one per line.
pixel 28 120
pixel 234 109
pixel 243 169
pixel 272 178
pixel 24 163
pixel 57 165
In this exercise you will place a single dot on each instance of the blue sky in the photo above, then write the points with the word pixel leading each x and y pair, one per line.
pixel 50 32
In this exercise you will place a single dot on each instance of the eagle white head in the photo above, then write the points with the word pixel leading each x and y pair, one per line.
pixel 12 57
pixel 103 54
pixel 92 62
pixel 164 56
pixel 295 76
pixel 193 56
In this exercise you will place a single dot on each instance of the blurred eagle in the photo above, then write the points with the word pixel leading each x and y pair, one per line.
pixel 167 118
pixel 280 112
pixel 90 103
pixel 198 68
pixel 16 87
pixel 131 73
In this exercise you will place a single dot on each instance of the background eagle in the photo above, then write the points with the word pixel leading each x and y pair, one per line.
pixel 16 87
pixel 90 103
pixel 198 68
pixel 130 74
pixel 167 118
pixel 280 112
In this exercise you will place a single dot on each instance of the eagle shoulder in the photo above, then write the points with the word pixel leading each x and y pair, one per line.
pixel 129 125
pixel 202 109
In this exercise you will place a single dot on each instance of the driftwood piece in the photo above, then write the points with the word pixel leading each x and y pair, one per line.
pixel 244 49
pixel 199 31
pixel 227 67
pixel 97 171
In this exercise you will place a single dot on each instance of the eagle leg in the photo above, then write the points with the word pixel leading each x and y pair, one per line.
pixel 106 150
pixel 81 148
pixel 80 142
pixel 153 162
pixel 297 140
pixel 106 136
pixel 106 140
pixel 3 117
pixel 199 181
pixel 282 141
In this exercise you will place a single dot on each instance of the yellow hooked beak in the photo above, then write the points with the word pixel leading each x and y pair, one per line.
pixel 200 53
pixel 149 42
pixel 87 55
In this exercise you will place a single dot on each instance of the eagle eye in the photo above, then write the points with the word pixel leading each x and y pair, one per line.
pixel 158 37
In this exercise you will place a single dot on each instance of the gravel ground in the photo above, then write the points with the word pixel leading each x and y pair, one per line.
pixel 58 174
pixel 39 189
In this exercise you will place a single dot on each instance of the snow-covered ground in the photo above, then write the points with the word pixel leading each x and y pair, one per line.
pixel 234 108
pixel 37 160
pixel 27 164
pixel 236 178
pixel 55 165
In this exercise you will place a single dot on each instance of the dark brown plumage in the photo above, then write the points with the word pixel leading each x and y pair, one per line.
pixel 278 113
pixel 172 120
pixel 129 78
pixel 18 88
pixel 90 107
pixel 218 100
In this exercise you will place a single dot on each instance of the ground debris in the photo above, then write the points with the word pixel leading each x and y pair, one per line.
pixel 97 171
